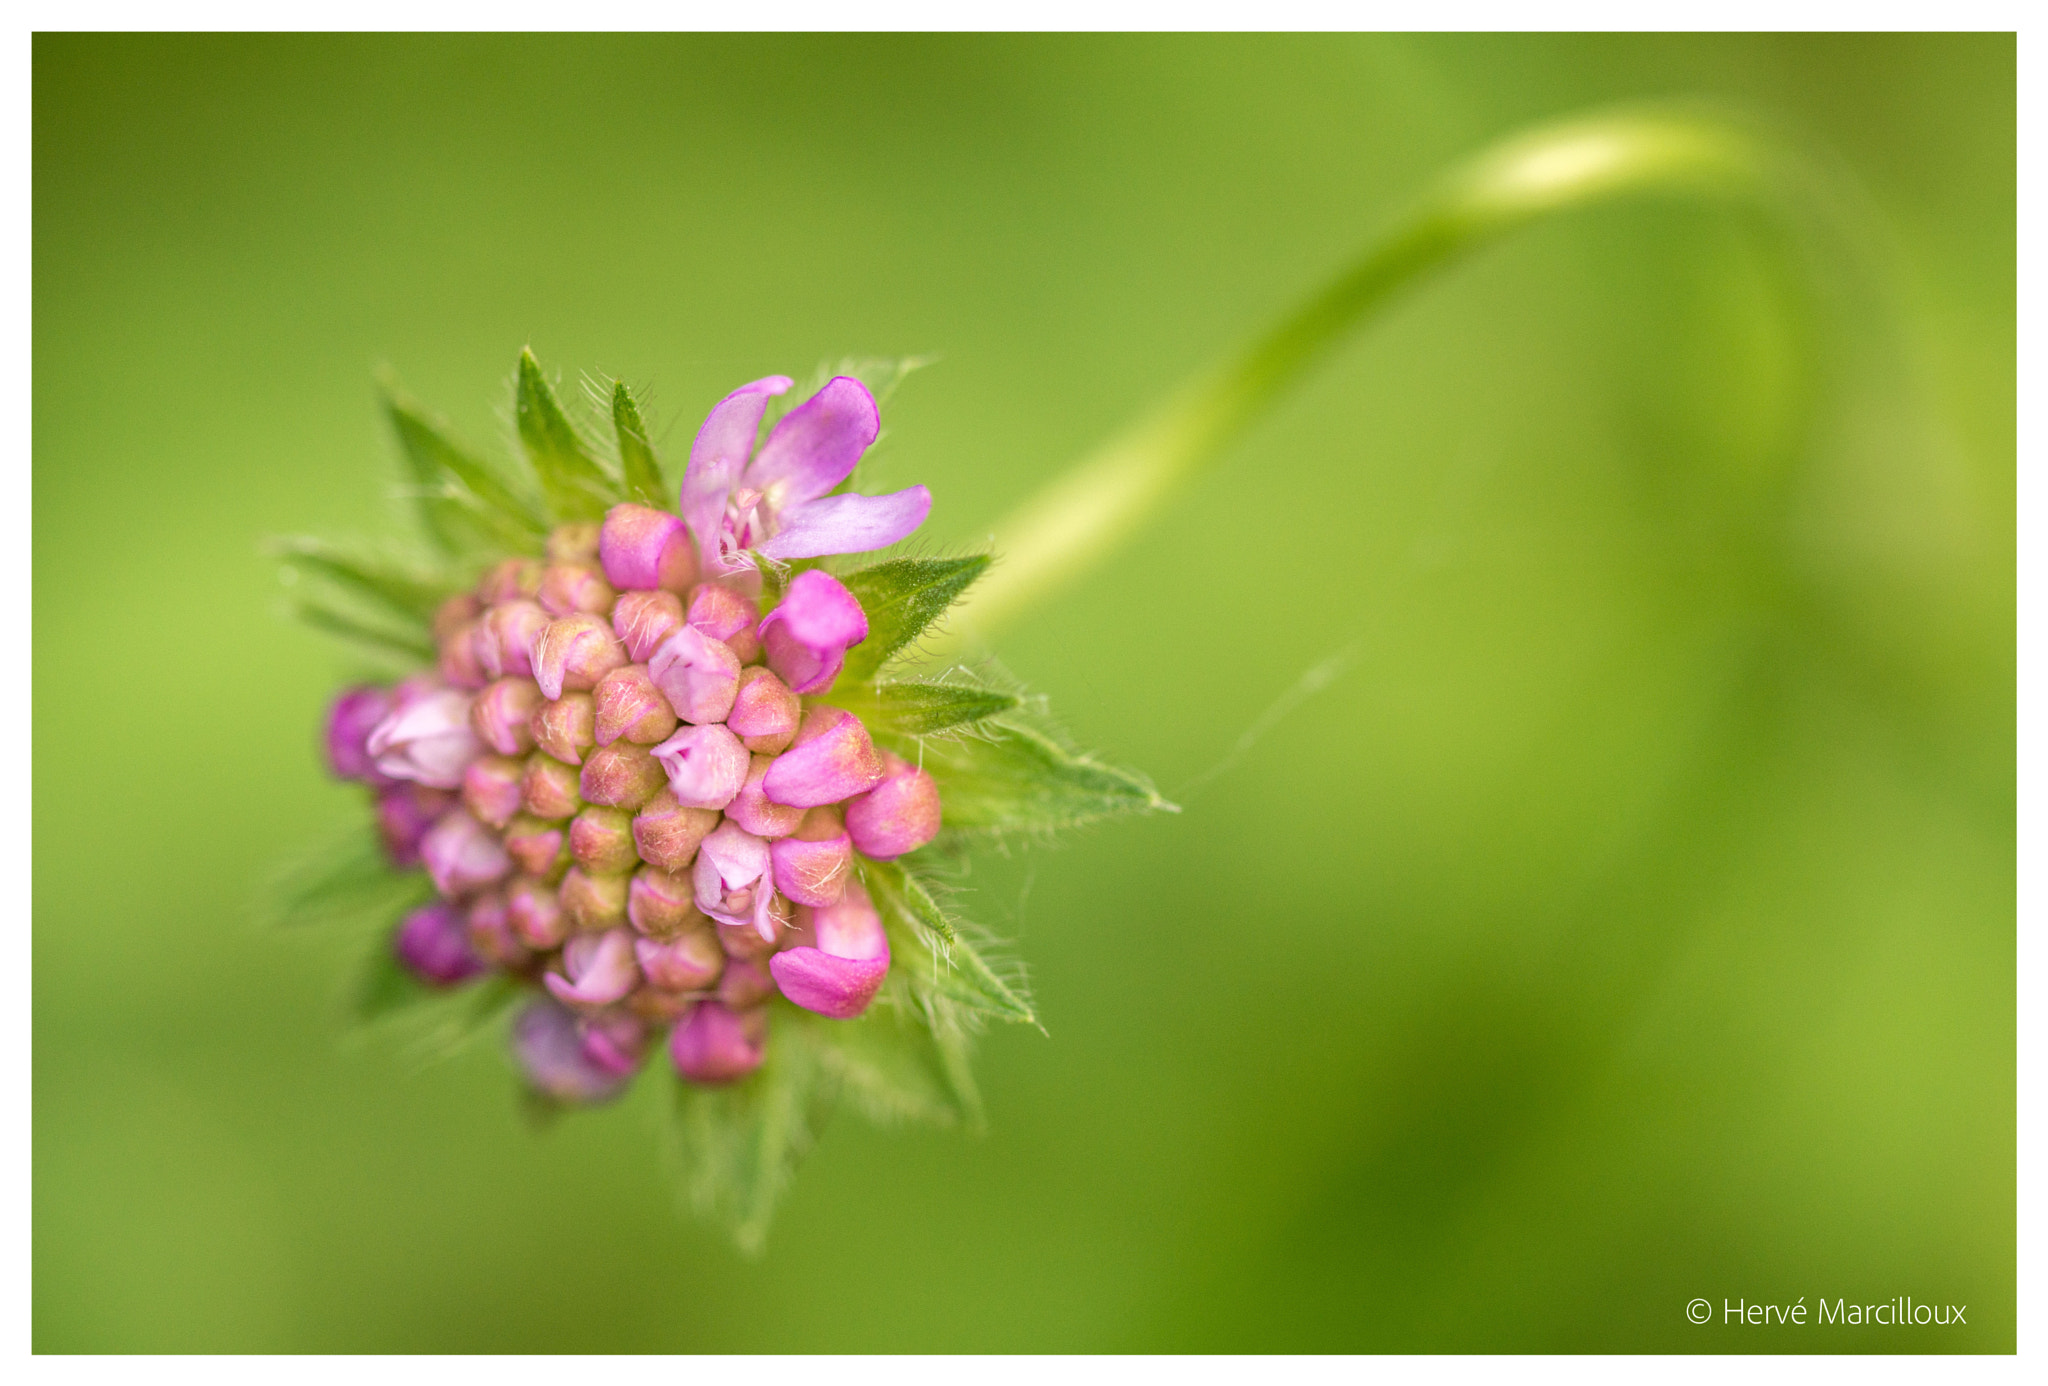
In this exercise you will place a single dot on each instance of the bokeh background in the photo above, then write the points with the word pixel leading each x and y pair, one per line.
pixel 1632 921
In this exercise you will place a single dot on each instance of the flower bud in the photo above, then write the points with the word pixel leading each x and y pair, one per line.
pixel 573 543
pixel 748 940
pixel 660 1008
pixel 717 1045
pixel 813 866
pixel 666 834
pixel 643 548
pixel 731 875
pixel 425 738
pixel 621 775
pixel 489 923
pixel 569 588
pixel 491 789
pixel 566 727
pixel 455 613
pixel 753 810
pixel 642 620
pixel 764 712
pixel 601 841
pixel 594 902
pixel 404 813
pixel 461 662
pixel 508 581
pixel 727 617
pixel 833 759
pixel 600 969
pixel 745 982
pixel 898 815
pixel 462 855
pixel 350 721
pixel 614 1042
pixel 698 675
pixel 550 1048
pixel 502 715
pixel 506 636
pixel 840 972
pixel 540 849
pixel 629 705
pixel 549 790
pixel 687 962
pixel 663 905
pixel 534 910
pixel 705 765
pixel 574 653
pixel 808 634
pixel 433 943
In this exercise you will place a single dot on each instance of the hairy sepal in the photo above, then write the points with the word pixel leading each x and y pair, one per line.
pixel 465 505
pixel 938 969
pixel 902 712
pixel 902 597
pixel 1018 776
pixel 639 468
pixel 345 881
pixel 574 481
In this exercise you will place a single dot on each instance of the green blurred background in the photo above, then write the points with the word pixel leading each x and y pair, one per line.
pixel 1633 921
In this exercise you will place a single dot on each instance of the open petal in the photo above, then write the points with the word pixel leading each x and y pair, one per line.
pixel 848 524
pixel 816 444
pixel 719 455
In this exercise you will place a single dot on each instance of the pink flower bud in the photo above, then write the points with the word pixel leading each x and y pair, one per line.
pixel 600 969
pixel 350 721
pixel 594 902
pixel 569 588
pixel 506 636
pixel 461 662
pixel 462 855
pixel 666 833
pixel 433 943
pixel 621 775
pixel 601 841
pixel 746 983
pixel 489 922
pixel 731 875
pixel 550 1047
pixel 660 1008
pixel 540 849
pixel 455 613
pixel 717 1045
pixel 898 815
pixel 566 727
pixel 753 810
pixel 574 653
pixel 841 972
pixel 807 636
pixel 502 715
pixel 425 738
pixel 727 617
pixel 614 1042
pixel 813 866
pixel 644 548
pixel 698 675
pixel 764 712
pixel 404 813
pixel 491 789
pixel 748 941
pixel 687 962
pixel 629 705
pixel 534 911
pixel 832 759
pixel 508 581
pixel 706 766
pixel 575 542
pixel 549 790
pixel 642 620
pixel 663 905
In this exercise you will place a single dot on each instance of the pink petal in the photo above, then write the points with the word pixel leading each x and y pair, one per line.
pixel 847 524
pixel 837 988
pixel 817 444
pixel 720 453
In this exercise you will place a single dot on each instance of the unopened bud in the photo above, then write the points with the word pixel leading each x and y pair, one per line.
pixel 433 943
pixel 594 902
pixel 898 815
pixel 621 775
pixel 705 766
pixel 404 813
pixel 753 810
pixel 687 962
pixel 462 855
pixel 540 849
pixel 642 620
pixel 698 675
pixel 350 721
pixel 839 972
pixel 727 617
pixel 534 911
pixel 600 967
pixel 833 759
pixel 550 1047
pixel 717 1045
pixel 549 790
pixel 574 653
pixel 813 866
pixel 491 789
pixel 807 635
pixel 601 841
pixel 508 581
pixel 575 542
pixel 569 588
pixel 663 905
pixel 506 637
pixel 489 922
pixel 461 662
pixel 765 714
pixel 502 715
pixel 425 738
pixel 566 727
pixel 731 875
pixel 746 982
pixel 644 548
pixel 747 940
pixel 629 705
pixel 666 834
pixel 455 613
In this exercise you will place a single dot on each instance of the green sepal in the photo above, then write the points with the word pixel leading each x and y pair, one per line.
pixel 937 960
pixel 890 1066
pixel 407 595
pixel 346 880
pixel 901 598
pixel 407 646
pixel 909 710
pixel 640 469
pixel 438 1022
pixel 571 477
pixel 465 505
pixel 385 987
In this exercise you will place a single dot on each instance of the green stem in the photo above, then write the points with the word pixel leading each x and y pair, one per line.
pixel 1082 516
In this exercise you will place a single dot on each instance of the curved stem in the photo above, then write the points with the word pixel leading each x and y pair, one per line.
pixel 1079 518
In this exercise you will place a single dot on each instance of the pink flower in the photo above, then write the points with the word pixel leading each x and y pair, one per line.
pixel 698 675
pixel 601 969
pixel 813 865
pixel 732 880
pixel 898 815
pixel 644 549
pixel 426 737
pixel 833 759
pixel 808 634
pixel 505 638
pixel 764 712
pixel 491 789
pixel 717 1045
pixel 706 766
pixel 572 654
pixel 628 704
pixel 688 962
pixel 350 721
pixel 642 620
pixel 462 855
pixel 433 943
pixel 753 810
pixel 404 813
pixel 502 715
pixel 841 973
pixel 727 616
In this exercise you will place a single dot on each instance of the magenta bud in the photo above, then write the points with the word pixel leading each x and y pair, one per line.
pixel 687 962
pixel 508 581
pixel 567 589
pixel 629 705
pixel 566 727
pixel 813 866
pixel 705 765
pixel 666 834
pixel 461 662
pixel 425 738
pixel 614 1042
pixel 642 620
pixel 594 902
pixel 540 849
pixel 698 675
pixel 502 715
pixel 717 1045
pixel 462 855
pixel 549 789
pixel 533 909
pixel 663 905
pixel 840 972
pixel 572 654
pixel 731 876
pixel 808 634
pixel 404 813
pixel 764 712
pixel 643 548
pixel 489 922
pixel 600 969
pixel 491 789
pixel 727 617
pixel 455 613
pixel 621 775
pixel 551 1049
pixel 753 810
pixel 601 841
pixel 746 983
pixel 433 943
pixel 573 543
pixel 506 637
pixel 350 721
pixel 898 815
pixel 833 759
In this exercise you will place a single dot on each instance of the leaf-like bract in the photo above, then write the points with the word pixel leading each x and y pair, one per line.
pixel 909 710
pixel 888 1064
pixel 464 504
pixel 344 881
pixel 1020 778
pixel 410 597
pixel 934 956
pixel 640 470
pixel 572 479
pixel 411 646
pixel 901 598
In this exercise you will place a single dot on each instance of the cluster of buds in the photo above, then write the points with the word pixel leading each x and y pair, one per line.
pixel 624 778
